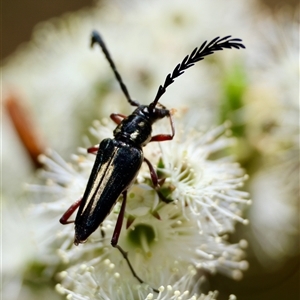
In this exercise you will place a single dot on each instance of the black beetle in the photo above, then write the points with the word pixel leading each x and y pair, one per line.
pixel 119 160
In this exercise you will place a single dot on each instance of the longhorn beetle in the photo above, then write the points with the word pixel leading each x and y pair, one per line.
pixel 119 160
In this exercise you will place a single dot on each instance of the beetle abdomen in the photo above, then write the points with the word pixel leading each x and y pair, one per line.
pixel 115 168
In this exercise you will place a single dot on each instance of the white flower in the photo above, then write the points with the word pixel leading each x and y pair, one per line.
pixel 272 98
pixel 272 116
pixel 58 74
pixel 166 241
pixel 102 281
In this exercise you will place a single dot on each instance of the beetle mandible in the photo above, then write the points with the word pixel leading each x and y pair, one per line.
pixel 119 160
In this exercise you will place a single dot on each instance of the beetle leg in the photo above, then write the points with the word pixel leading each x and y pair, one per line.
pixel 117 118
pixel 116 234
pixel 92 150
pixel 115 238
pixel 164 137
pixel 117 231
pixel 155 180
pixel 65 217
pixel 125 256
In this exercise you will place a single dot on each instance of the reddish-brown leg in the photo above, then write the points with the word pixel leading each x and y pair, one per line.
pixel 155 180
pixel 92 150
pixel 117 118
pixel 115 238
pixel 65 217
pixel 164 137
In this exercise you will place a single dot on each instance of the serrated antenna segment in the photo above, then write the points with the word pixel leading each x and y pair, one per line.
pixel 196 55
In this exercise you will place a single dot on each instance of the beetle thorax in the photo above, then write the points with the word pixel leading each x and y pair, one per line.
pixel 136 129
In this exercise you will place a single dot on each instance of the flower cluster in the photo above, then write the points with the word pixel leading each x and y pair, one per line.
pixel 173 235
pixel 178 233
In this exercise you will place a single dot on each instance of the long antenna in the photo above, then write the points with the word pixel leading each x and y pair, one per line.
pixel 197 54
pixel 96 38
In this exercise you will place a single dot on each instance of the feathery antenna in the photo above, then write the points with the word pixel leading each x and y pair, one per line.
pixel 197 54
